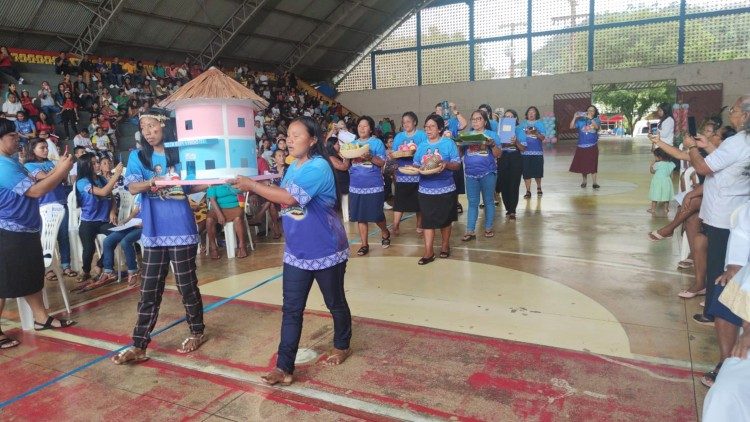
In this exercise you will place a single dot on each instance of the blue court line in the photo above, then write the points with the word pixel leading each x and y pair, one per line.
pixel 172 324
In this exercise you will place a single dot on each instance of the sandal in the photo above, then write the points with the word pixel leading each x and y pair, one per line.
pixel 104 279
pixel 50 276
pixel 67 272
pixel 7 342
pixel 489 233
pixel 687 294
pixel 528 195
pixel 583 185
pixel 130 355
pixel 654 236
pixel 278 376
pixel 386 241
pixel 468 236
pixel 538 192
pixel 337 357
pixel 241 252
pixel 703 320
pixel 48 325
pixel 445 254
pixel 459 208
pixel 134 280
pixel 363 250
pixel 685 264
pixel 596 186
pixel 511 216
pixel 709 378
pixel 425 261
pixel 192 343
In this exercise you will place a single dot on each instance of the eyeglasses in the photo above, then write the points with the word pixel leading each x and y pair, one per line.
pixel 476 119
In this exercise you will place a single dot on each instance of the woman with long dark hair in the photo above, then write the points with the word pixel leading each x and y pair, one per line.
pixel 98 213
pixel 407 185
pixel 366 185
pixel 666 123
pixel 510 170
pixel 21 257
pixel 531 133
pixel 437 192
pixel 169 235
pixel 586 158
pixel 40 167
pixel 480 166
pixel 316 246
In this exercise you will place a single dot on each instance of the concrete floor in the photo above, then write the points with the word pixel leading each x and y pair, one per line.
pixel 568 313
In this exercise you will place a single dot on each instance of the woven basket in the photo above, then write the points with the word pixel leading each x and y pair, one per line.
pixel 355 153
pixel 402 154
pixel 436 170
pixel 410 170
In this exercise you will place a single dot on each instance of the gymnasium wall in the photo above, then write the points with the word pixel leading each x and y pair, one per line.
pixel 519 93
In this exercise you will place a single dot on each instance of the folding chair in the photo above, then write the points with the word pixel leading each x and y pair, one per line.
pixel 74 221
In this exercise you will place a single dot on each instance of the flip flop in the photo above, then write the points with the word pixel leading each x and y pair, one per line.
pixel 48 324
pixel 686 294
pixel 468 236
pixel 7 342
pixel 130 355
pixel 489 233
pixel 654 236
pixel 426 260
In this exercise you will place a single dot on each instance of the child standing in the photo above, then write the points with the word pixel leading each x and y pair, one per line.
pixel 662 189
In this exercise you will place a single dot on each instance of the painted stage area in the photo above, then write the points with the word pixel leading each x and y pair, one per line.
pixel 569 313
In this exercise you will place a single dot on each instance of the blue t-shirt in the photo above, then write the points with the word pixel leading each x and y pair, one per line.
pixel 315 236
pixel 364 176
pixel 18 212
pixel 25 127
pixel 418 137
pixel 493 125
pixel 534 145
pixel 478 159
pixel 452 124
pixel 436 184
pixel 59 195
pixel 166 221
pixel 93 208
pixel 587 136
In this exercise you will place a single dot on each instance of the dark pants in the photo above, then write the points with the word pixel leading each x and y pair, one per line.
pixel 88 230
pixel 69 120
pixel 716 255
pixel 297 284
pixel 509 171
pixel 155 267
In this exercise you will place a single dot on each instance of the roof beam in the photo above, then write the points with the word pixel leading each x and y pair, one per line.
pixel 228 31
pixel 103 14
pixel 316 36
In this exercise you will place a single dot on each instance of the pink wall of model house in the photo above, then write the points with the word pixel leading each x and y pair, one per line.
pixel 206 120
pixel 235 112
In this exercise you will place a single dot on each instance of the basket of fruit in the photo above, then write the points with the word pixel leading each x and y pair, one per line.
pixel 405 150
pixel 353 150
pixel 409 170
pixel 430 165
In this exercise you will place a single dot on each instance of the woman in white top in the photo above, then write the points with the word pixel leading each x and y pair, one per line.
pixel 666 123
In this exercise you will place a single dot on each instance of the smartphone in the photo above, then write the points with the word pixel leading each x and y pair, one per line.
pixel 692 128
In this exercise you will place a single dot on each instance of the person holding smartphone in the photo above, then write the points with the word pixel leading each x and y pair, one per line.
pixel 586 158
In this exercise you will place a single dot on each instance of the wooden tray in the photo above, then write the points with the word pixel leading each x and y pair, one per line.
pixel 436 170
pixel 402 154
pixel 410 170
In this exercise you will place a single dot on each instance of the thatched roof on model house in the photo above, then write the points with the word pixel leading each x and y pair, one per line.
pixel 213 84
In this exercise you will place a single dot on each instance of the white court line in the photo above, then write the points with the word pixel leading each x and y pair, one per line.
pixel 567 258
pixel 203 367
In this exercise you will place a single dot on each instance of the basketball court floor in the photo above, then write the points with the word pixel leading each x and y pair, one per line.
pixel 568 313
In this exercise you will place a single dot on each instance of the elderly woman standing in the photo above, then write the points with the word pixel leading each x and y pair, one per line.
pixel 437 192
pixel 366 185
pixel 21 261
pixel 510 169
pixel 480 166
pixel 530 133
pixel 586 158
pixel 407 185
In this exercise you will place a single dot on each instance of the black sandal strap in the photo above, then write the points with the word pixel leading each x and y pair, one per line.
pixel 363 250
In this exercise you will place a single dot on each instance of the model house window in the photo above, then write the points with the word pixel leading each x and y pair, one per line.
pixel 244 163
pixel 188 125
pixel 240 122
pixel 210 164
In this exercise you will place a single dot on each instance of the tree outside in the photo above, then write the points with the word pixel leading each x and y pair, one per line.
pixel 634 103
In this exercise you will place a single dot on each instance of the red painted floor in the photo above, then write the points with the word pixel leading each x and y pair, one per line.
pixel 429 372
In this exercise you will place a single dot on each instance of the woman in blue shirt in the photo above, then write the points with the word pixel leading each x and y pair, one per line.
pixel 366 186
pixel 316 246
pixel 21 260
pixel 586 158
pixel 437 192
pixel 531 133
pixel 510 169
pixel 454 123
pixel 40 167
pixel 169 235
pixel 407 185
pixel 480 166
pixel 98 214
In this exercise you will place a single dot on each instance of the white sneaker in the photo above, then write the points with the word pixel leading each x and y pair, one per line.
pixel 20 81
pixel 111 87
pixel 386 206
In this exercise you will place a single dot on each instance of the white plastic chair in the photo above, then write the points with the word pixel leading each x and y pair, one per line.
pixel 74 221
pixel 52 216
pixel 230 237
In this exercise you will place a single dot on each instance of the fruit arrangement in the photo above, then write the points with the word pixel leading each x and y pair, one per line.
pixel 431 164
pixel 353 150
pixel 405 150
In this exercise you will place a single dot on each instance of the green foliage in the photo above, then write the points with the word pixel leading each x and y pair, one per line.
pixel 633 104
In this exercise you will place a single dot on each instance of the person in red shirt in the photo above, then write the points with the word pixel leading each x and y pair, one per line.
pixel 44 123
pixel 6 65
pixel 28 105
pixel 69 114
